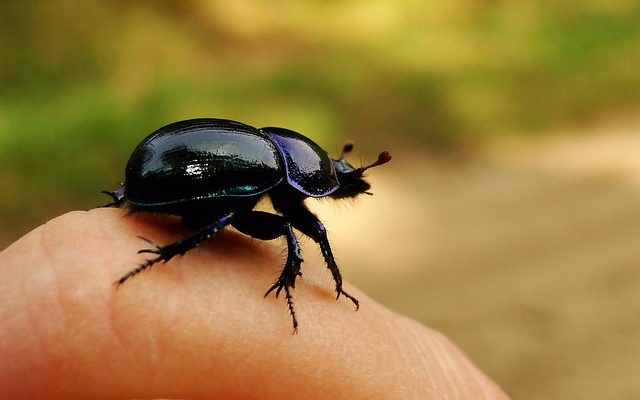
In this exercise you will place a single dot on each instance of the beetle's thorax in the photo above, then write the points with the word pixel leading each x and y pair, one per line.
pixel 308 167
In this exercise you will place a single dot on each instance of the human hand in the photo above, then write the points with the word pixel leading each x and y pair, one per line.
pixel 198 326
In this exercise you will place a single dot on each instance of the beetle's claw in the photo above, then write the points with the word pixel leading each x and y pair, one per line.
pixel 277 286
pixel 348 296
pixel 152 243
pixel 117 195
pixel 272 288
pixel 157 250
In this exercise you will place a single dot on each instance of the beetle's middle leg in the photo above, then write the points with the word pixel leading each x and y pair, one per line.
pixel 178 248
pixel 266 226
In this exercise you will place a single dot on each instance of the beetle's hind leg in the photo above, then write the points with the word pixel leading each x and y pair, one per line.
pixel 116 194
pixel 178 248
pixel 267 226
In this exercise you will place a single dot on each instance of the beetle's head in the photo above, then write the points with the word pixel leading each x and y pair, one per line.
pixel 351 179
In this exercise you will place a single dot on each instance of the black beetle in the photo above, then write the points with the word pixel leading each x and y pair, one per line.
pixel 212 173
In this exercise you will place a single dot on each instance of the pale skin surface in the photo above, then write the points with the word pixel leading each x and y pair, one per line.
pixel 198 326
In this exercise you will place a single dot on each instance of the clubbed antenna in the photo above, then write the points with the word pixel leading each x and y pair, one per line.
pixel 383 158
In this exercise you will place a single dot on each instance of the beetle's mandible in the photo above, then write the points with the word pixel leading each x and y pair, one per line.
pixel 212 172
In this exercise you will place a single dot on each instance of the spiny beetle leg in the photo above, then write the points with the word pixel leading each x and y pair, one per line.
pixel 266 226
pixel 178 248
pixel 305 221
pixel 117 195
pixel 289 273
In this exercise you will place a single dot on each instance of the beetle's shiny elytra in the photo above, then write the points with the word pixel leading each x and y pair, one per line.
pixel 212 172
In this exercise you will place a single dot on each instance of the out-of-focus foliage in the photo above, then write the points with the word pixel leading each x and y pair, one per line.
pixel 82 82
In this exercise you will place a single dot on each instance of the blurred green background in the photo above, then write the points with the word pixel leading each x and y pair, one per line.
pixel 512 126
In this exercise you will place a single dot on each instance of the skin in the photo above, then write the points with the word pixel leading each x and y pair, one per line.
pixel 198 327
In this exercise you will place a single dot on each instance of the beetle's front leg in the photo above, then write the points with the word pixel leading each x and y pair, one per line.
pixel 310 225
pixel 325 248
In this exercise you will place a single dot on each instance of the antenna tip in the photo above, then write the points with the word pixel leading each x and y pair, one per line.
pixel 347 147
pixel 384 157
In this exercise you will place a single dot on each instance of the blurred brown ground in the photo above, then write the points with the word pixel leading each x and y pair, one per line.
pixel 528 256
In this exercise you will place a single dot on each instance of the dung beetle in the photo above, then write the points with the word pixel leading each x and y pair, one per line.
pixel 212 172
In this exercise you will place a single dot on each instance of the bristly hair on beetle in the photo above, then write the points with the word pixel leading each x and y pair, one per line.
pixel 351 179
pixel 212 173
